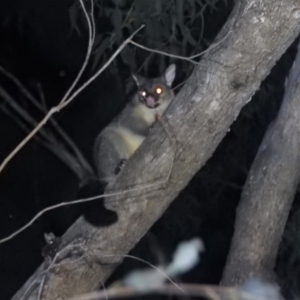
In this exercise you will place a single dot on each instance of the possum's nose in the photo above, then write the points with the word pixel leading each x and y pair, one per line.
pixel 150 100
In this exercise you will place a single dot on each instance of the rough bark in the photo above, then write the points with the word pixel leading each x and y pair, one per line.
pixel 268 193
pixel 199 117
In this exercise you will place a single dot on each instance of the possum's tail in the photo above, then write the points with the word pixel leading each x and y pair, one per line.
pixel 94 211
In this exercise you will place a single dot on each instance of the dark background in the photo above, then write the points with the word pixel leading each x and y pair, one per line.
pixel 44 42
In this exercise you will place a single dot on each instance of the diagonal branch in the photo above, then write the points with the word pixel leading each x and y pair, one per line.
pixel 81 159
pixel 45 137
pixel 65 100
pixel 268 193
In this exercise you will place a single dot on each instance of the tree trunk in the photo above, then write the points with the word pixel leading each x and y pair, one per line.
pixel 197 119
pixel 268 193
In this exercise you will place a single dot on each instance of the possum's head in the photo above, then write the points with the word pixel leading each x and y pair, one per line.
pixel 155 91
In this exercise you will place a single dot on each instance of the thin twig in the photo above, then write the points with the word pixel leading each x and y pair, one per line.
pixel 49 208
pixel 150 265
pixel 43 274
pixel 103 285
pixel 88 54
pixel 93 22
pixel 220 41
pixel 13 116
pixel 190 58
pixel 163 52
pixel 124 44
pixel 47 139
pixel 55 148
pixel 21 112
pixel 64 103
pixel 84 163
pixel 41 288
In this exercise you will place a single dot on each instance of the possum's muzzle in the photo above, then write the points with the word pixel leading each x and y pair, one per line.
pixel 150 100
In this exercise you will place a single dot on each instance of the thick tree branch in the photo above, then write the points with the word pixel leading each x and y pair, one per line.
pixel 268 193
pixel 199 118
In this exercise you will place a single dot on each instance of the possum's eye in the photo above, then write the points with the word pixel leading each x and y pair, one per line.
pixel 143 93
pixel 158 90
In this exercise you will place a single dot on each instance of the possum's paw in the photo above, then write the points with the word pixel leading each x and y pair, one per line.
pixel 120 166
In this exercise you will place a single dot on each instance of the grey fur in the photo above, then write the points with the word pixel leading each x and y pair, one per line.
pixel 121 138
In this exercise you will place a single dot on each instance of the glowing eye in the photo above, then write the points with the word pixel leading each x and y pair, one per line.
pixel 158 90
pixel 144 93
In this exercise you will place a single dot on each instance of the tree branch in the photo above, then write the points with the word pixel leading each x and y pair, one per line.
pixel 268 193
pixel 87 169
pixel 45 137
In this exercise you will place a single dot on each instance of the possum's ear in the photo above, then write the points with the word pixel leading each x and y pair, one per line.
pixel 170 73
pixel 139 80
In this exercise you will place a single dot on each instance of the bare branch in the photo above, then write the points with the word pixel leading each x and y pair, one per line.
pixel 64 102
pixel 47 139
pixel 87 169
pixel 268 193
pixel 163 53
pixel 111 59
pixel 89 50
pixel 21 112
pixel 190 58
pixel 107 195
